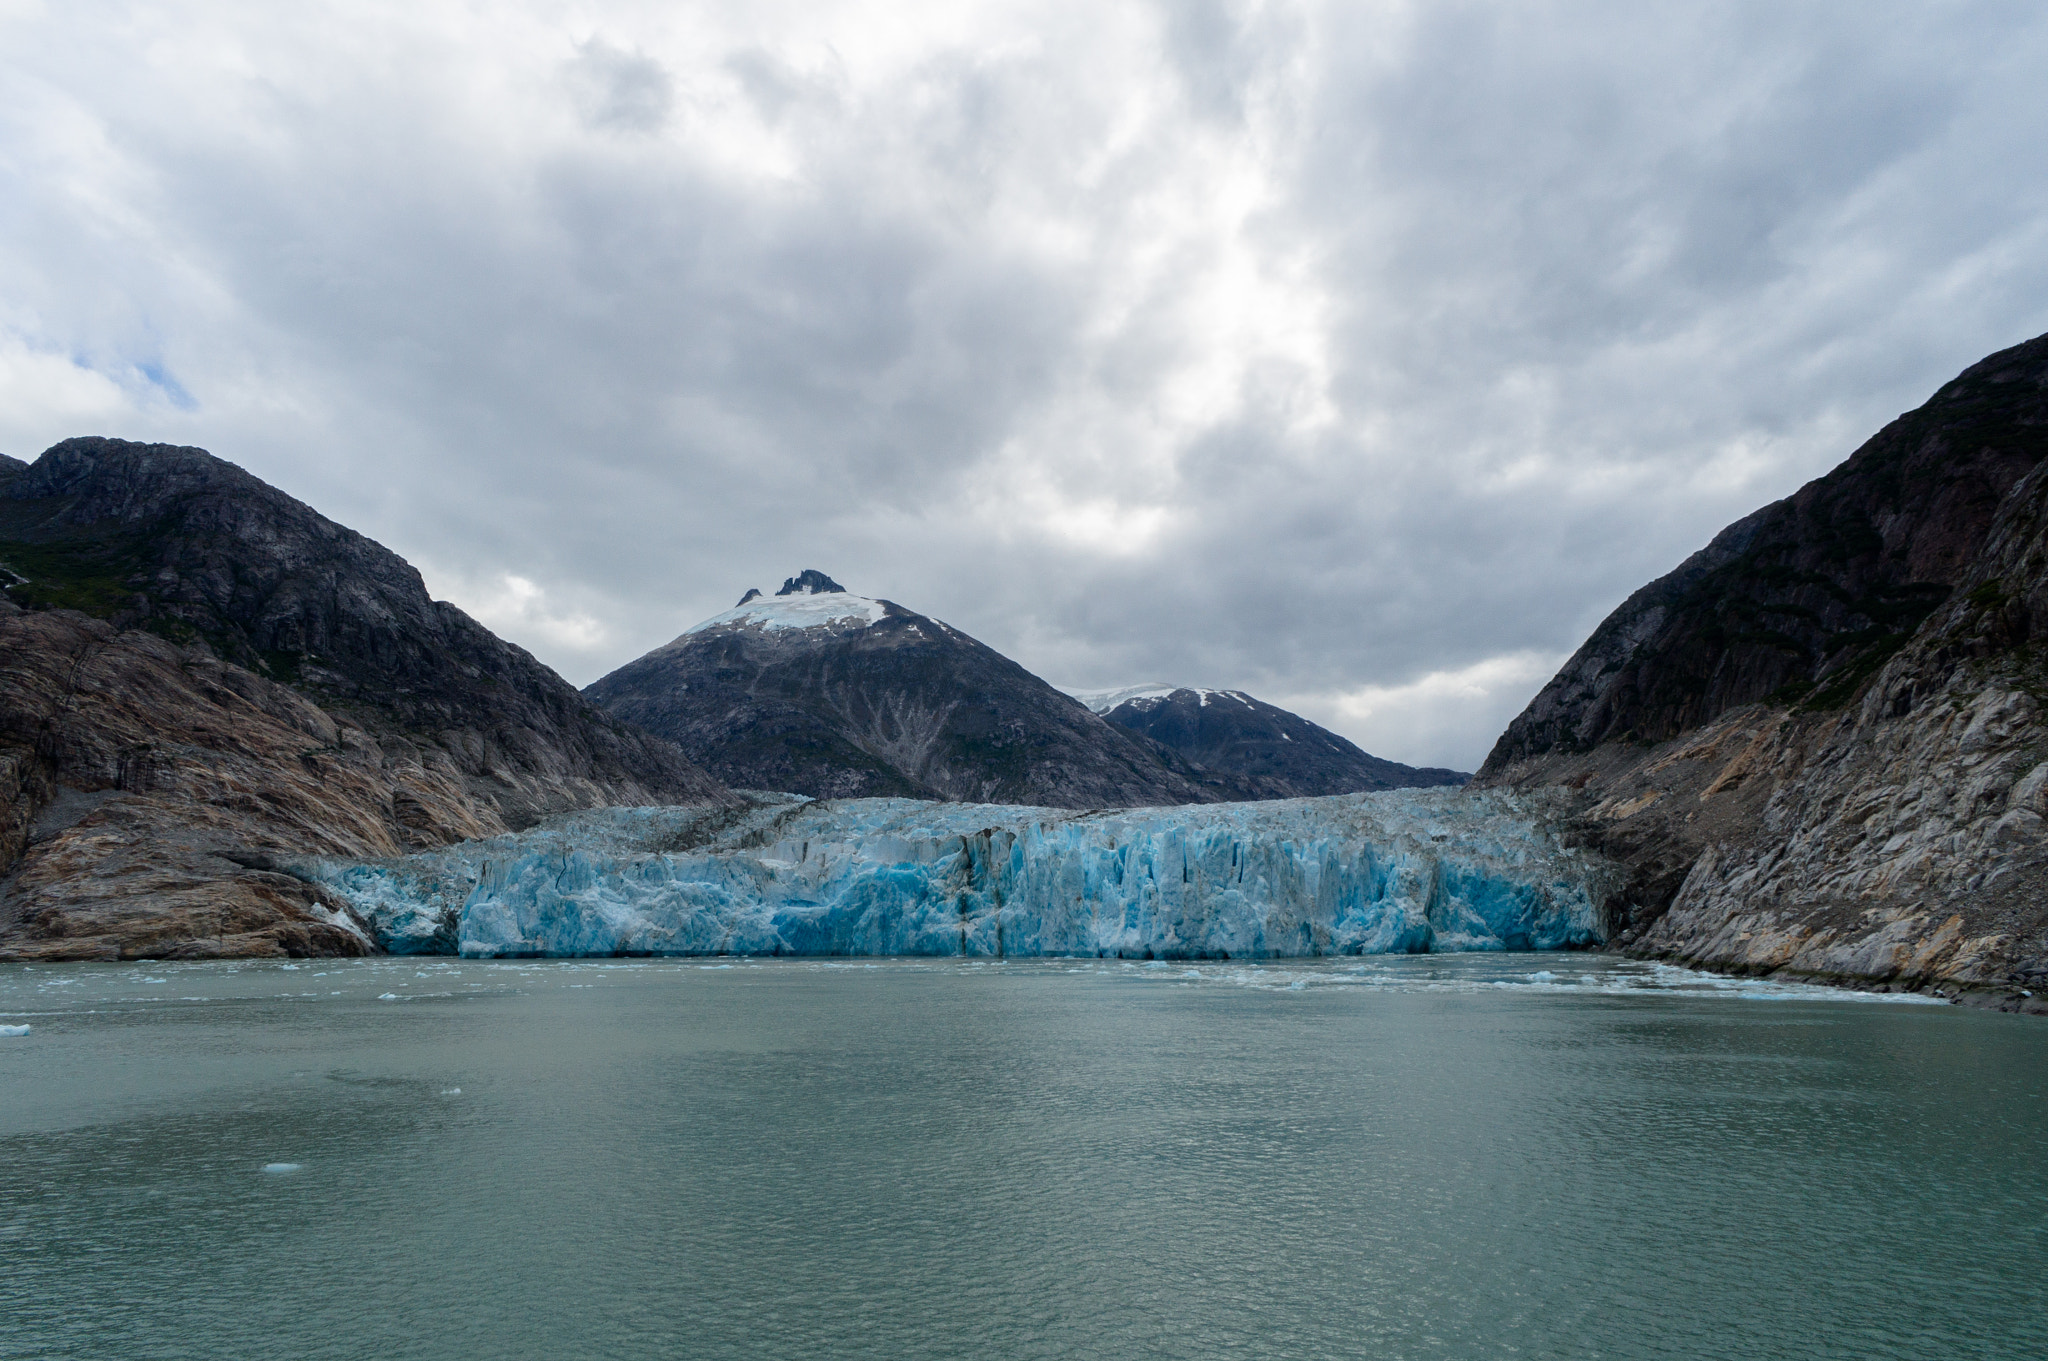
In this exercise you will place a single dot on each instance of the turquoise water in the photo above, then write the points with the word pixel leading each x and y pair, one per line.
pixel 1473 1156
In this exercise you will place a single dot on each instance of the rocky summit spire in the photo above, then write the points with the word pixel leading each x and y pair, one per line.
pixel 753 593
pixel 810 581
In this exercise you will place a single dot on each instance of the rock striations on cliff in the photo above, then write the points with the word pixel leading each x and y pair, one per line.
pixel 818 691
pixel 198 673
pixel 1254 749
pixel 1816 744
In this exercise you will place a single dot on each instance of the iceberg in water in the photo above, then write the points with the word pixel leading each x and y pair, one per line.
pixel 1400 871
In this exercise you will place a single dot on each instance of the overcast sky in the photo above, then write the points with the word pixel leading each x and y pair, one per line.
pixel 1361 356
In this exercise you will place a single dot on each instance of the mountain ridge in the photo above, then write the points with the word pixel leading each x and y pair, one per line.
pixel 1262 750
pixel 1855 791
pixel 198 672
pixel 824 692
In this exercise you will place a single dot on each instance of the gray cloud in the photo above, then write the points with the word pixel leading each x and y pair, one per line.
pixel 617 89
pixel 1360 357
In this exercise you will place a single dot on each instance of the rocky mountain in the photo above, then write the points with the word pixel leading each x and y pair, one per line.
pixel 1815 745
pixel 1255 749
pixel 198 672
pixel 815 690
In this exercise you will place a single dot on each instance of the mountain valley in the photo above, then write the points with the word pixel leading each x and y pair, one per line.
pixel 229 726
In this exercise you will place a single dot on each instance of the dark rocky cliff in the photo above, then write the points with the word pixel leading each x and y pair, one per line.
pixel 1816 744
pixel 1804 600
pixel 1256 750
pixel 881 700
pixel 198 670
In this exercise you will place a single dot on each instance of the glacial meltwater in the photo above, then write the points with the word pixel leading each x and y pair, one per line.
pixel 1481 1155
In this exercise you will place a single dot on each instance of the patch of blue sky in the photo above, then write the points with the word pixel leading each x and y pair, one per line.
pixel 161 379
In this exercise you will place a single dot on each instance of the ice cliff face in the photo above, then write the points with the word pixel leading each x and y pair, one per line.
pixel 1402 871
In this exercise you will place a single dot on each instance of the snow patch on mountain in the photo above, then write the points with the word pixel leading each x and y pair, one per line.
pixel 798 611
pixel 1102 701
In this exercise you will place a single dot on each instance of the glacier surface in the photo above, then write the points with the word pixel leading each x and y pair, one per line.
pixel 1400 871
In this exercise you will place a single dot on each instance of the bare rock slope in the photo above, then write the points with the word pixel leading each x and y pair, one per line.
pixel 1817 745
pixel 198 672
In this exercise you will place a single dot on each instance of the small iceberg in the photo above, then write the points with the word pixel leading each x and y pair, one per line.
pixel 281 1169
pixel 15 1029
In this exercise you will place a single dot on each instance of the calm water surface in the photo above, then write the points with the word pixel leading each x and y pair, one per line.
pixel 1523 1156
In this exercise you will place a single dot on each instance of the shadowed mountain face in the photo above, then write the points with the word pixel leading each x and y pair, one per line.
pixel 1817 744
pixel 197 551
pixel 817 691
pixel 199 670
pixel 1253 748
pixel 1804 600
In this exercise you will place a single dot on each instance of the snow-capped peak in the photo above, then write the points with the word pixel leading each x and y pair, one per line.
pixel 806 601
pixel 1102 701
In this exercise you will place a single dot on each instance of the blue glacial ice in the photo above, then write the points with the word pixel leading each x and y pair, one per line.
pixel 1404 871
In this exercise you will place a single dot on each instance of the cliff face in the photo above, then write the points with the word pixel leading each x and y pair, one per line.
pixel 1815 744
pixel 822 692
pixel 197 670
pixel 1805 599
pixel 194 549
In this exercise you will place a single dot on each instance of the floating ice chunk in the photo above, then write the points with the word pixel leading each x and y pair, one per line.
pixel 451 1091
pixel 387 997
pixel 338 919
pixel 15 1029
pixel 280 1169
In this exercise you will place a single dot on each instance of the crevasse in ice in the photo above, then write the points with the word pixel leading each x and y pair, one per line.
pixel 1399 871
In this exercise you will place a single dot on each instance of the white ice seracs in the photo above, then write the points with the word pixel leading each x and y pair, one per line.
pixel 1392 872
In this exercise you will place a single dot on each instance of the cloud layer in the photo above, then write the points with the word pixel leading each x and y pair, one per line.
pixel 1360 356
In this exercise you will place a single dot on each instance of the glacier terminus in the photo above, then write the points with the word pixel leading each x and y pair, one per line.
pixel 1397 871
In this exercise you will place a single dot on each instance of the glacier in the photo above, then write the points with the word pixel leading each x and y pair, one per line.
pixel 1399 871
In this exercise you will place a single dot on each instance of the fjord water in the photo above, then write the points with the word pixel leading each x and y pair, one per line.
pixel 1399 1157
